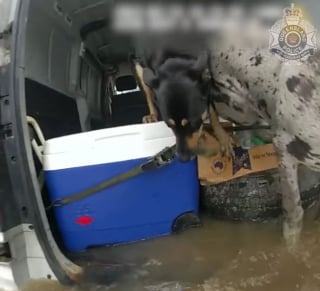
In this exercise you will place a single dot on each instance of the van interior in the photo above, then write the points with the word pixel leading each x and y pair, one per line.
pixel 78 76
pixel 75 66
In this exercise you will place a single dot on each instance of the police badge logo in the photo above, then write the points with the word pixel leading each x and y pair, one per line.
pixel 292 39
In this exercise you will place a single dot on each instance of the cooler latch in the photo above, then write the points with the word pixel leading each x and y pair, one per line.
pixel 163 158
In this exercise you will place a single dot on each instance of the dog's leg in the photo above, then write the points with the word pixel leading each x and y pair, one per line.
pixel 153 116
pixel 291 201
pixel 225 140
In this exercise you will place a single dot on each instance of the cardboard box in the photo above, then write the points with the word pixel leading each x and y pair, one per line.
pixel 217 169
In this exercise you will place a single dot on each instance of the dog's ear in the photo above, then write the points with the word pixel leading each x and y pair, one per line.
pixel 201 63
pixel 200 71
pixel 206 76
pixel 150 79
pixel 200 76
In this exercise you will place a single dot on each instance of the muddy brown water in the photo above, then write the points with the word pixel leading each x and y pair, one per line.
pixel 219 256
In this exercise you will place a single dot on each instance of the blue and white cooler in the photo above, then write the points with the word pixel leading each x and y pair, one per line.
pixel 142 207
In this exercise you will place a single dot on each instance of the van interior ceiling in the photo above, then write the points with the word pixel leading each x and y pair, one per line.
pixel 77 73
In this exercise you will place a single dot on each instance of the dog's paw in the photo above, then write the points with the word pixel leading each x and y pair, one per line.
pixel 150 118
pixel 208 145
pixel 226 144
pixel 292 229
pixel 292 236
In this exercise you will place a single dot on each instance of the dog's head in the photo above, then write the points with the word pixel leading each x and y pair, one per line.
pixel 181 89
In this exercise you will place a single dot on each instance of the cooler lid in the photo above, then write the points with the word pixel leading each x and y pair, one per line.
pixel 107 145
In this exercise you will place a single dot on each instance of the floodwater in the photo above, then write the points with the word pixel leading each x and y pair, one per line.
pixel 219 256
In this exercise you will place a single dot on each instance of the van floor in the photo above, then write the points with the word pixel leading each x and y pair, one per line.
pixel 219 256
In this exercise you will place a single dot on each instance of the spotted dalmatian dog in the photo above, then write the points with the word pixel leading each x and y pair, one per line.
pixel 252 86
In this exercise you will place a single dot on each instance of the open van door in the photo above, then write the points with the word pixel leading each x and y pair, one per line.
pixel 27 248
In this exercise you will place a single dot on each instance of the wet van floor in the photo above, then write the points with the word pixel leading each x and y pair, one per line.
pixel 219 256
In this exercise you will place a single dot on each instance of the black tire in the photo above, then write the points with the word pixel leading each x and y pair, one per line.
pixel 256 198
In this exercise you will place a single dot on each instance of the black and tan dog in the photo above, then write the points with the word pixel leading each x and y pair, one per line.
pixel 178 90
